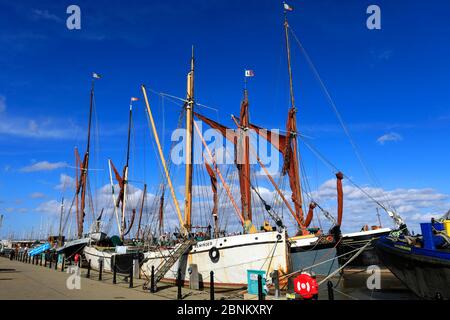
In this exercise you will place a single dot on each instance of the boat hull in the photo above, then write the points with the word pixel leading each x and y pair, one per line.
pixel 95 255
pixel 423 271
pixel 261 251
pixel 353 241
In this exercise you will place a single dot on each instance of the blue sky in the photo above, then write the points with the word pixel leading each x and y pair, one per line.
pixel 390 86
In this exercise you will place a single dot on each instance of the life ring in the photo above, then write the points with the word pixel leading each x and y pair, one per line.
pixel 330 238
pixel 214 254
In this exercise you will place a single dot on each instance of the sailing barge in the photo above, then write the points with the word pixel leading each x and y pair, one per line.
pixel 228 256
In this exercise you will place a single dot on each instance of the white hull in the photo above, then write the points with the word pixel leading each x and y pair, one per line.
pixel 302 242
pixel 94 255
pixel 265 251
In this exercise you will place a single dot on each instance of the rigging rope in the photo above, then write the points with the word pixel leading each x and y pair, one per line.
pixel 359 156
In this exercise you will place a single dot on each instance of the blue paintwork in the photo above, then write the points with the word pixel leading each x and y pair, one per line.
pixel 39 250
pixel 396 245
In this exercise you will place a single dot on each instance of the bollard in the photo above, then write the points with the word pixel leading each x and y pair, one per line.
pixel 56 261
pixel 330 290
pixel 88 275
pixel 211 285
pixel 50 263
pixel 152 280
pixel 45 260
pixel 131 277
pixel 179 297
pixel 260 288
pixel 114 274
pixel 276 283
pixel 33 259
pixel 40 260
pixel 62 264
pixel 100 271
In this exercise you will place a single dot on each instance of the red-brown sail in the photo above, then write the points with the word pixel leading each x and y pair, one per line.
pixel 310 214
pixel 244 173
pixel 243 161
pixel 213 178
pixel 287 146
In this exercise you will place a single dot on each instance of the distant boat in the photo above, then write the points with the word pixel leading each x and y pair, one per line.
pixel 421 262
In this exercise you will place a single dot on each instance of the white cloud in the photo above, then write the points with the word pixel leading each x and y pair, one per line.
pixel 51 207
pixel 45 15
pixel 2 103
pixel 414 205
pixel 65 182
pixel 37 195
pixel 43 166
pixel 36 128
pixel 392 136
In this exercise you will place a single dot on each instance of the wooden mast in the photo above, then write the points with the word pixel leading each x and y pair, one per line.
pixel 125 171
pixel 189 145
pixel 60 223
pixel 144 193
pixel 163 161
pixel 244 159
pixel 294 173
pixel 82 185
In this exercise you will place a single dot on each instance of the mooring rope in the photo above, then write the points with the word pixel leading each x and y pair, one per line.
pixel 345 264
pixel 320 263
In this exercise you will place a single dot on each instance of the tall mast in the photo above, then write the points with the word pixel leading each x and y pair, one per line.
pixel 189 145
pixel 244 159
pixel 163 162
pixel 125 169
pixel 85 164
pixel 294 173
pixel 144 193
pixel 60 222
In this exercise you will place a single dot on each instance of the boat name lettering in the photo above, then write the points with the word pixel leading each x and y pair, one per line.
pixel 204 244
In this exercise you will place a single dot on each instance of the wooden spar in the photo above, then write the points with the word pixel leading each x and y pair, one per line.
pixel 216 168
pixel 340 197
pixel 288 51
pixel 82 184
pixel 294 173
pixel 60 223
pixel 269 176
pixel 163 161
pixel 77 183
pixel 125 170
pixel 144 193
pixel 243 160
pixel 161 210
pixel 113 194
pixel 213 178
pixel 189 145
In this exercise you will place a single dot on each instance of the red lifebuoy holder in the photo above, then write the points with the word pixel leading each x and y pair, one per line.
pixel 306 286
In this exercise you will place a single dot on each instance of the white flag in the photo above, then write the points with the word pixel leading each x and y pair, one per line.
pixel 287 7
pixel 249 73
pixel 96 75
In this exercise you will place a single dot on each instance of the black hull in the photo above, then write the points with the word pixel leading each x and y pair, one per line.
pixel 367 258
pixel 70 252
pixel 426 277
